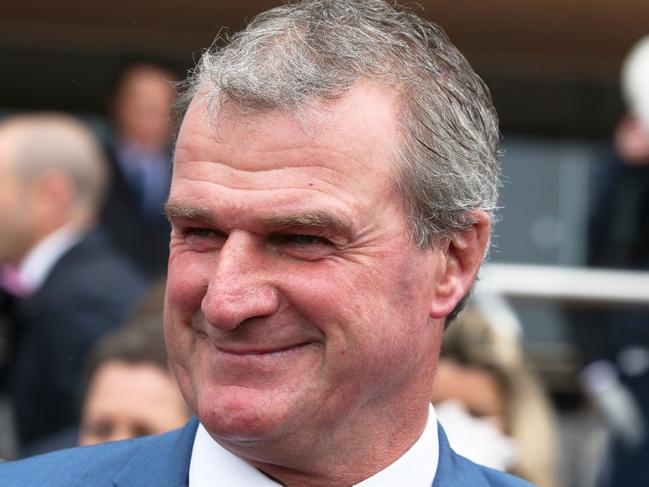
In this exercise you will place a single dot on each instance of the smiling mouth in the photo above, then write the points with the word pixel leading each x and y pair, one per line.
pixel 254 351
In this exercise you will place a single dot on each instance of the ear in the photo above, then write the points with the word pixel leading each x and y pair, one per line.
pixel 463 253
pixel 53 193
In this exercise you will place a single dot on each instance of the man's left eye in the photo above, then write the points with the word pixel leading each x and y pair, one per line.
pixel 303 246
pixel 306 240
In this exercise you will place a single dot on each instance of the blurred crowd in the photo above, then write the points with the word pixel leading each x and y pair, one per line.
pixel 82 240
pixel 83 250
pixel 614 343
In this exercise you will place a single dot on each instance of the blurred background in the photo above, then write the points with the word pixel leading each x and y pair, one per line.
pixel 572 199
pixel 552 66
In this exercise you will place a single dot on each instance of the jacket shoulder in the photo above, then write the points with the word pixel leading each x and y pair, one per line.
pixel 496 478
pixel 492 477
pixel 161 460
pixel 454 469
pixel 92 465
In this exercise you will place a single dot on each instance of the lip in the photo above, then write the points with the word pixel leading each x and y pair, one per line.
pixel 258 351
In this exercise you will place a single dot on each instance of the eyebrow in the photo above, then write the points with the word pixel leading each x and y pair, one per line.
pixel 310 219
pixel 176 210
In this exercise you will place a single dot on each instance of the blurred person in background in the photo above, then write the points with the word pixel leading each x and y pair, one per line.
pixel 615 343
pixel 112 404
pixel 139 152
pixel 492 407
pixel 67 285
pixel 131 391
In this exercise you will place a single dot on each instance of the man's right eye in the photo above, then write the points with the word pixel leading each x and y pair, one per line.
pixel 202 232
pixel 203 239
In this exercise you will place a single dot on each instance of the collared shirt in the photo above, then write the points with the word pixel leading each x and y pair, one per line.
pixel 212 465
pixel 43 256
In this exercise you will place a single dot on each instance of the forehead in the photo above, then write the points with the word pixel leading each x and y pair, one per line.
pixel 362 124
pixel 343 150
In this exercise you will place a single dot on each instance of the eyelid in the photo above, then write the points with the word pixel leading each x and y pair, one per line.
pixel 180 225
pixel 316 238
pixel 195 230
pixel 185 227
pixel 287 236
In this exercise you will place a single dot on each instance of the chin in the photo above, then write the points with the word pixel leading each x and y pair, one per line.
pixel 234 414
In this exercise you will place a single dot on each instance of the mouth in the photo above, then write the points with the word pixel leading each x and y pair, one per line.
pixel 261 351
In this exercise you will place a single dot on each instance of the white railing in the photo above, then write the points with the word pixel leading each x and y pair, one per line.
pixel 565 284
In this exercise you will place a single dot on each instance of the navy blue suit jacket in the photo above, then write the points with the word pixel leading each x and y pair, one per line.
pixel 89 291
pixel 144 239
pixel 163 461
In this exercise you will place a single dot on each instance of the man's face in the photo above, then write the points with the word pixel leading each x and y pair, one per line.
pixel 296 307
pixel 143 107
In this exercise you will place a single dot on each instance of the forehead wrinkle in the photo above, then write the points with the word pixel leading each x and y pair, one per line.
pixel 318 178
pixel 260 188
pixel 256 158
pixel 207 168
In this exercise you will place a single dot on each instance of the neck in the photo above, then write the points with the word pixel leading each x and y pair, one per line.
pixel 75 222
pixel 345 457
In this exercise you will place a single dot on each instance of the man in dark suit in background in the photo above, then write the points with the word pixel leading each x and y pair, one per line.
pixel 67 285
pixel 330 206
pixel 140 166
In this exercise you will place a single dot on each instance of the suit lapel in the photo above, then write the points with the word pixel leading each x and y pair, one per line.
pixel 453 469
pixel 163 462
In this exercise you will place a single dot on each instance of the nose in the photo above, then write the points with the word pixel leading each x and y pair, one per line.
pixel 238 288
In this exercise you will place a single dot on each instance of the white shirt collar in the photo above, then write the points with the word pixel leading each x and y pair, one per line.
pixel 42 257
pixel 212 465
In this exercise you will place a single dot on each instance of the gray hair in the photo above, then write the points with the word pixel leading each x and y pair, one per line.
pixel 314 50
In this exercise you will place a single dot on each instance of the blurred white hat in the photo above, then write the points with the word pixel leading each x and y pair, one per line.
pixel 635 80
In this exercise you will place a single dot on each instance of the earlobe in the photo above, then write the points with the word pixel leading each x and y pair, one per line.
pixel 463 252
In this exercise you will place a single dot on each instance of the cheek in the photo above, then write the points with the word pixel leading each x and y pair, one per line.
pixel 349 304
pixel 187 279
pixel 394 312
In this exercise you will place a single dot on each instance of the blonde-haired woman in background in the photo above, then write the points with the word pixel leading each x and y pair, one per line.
pixel 493 408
